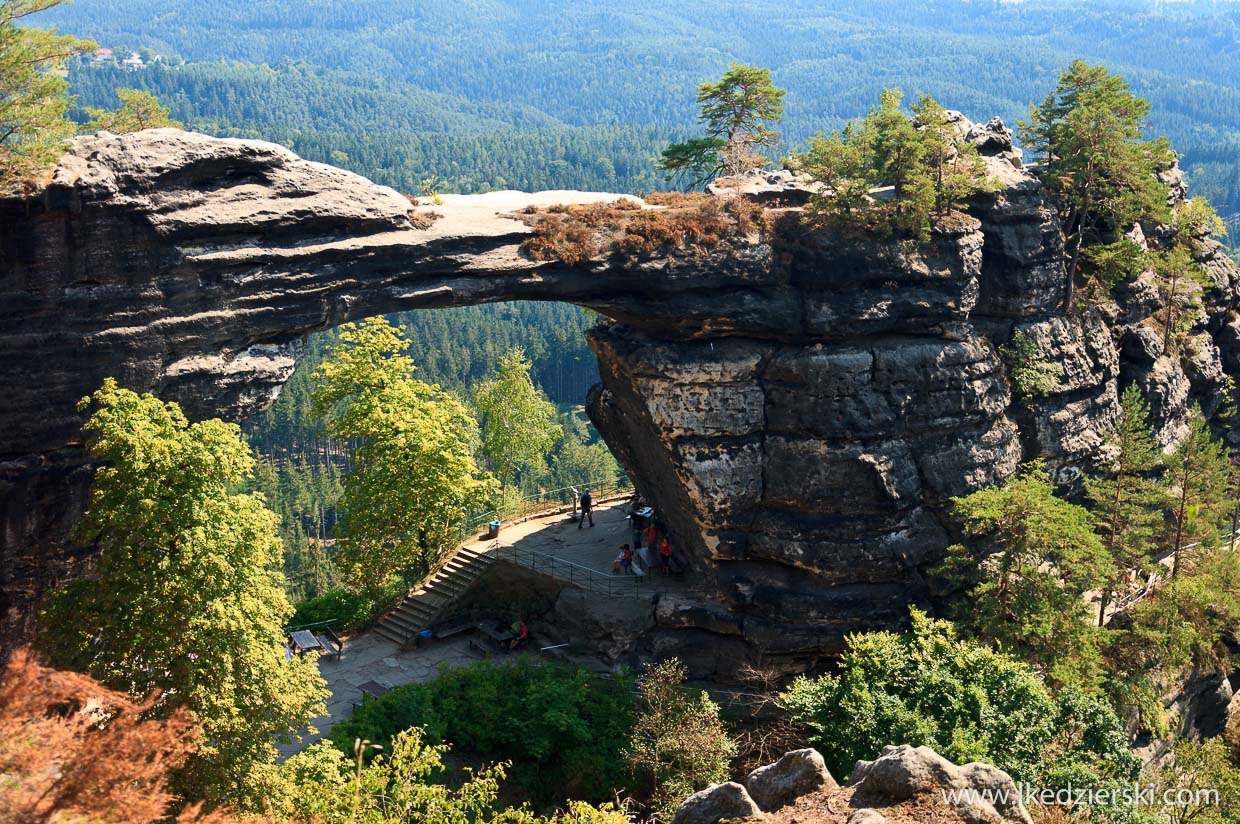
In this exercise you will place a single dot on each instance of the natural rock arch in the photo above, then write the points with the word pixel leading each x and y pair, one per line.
pixel 801 405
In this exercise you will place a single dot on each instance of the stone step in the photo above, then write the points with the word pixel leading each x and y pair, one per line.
pixel 390 634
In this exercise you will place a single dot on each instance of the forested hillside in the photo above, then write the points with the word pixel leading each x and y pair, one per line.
pixel 556 93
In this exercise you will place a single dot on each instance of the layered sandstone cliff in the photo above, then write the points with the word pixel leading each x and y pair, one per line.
pixel 800 405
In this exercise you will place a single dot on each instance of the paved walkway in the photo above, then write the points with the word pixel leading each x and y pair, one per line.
pixel 368 657
pixel 594 548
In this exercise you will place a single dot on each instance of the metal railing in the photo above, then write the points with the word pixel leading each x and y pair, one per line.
pixel 591 580
pixel 545 500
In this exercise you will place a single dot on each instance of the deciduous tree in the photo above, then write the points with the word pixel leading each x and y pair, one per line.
pixel 519 427
pixel 412 477
pixel 185 597
pixel 679 743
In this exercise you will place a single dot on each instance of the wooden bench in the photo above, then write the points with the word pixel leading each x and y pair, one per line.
pixel 333 647
pixel 452 629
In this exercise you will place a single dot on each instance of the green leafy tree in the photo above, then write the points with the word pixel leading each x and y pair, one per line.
pixel 403 783
pixel 1125 496
pixel 929 168
pixel 1200 784
pixel 567 745
pixel 898 155
pixel 841 164
pixel 139 110
pixel 1038 557
pixel 679 743
pixel 1032 375
pixel 185 598
pixel 1196 218
pixel 1197 487
pixel 575 463
pixel 1090 137
pixel 413 477
pixel 1185 620
pixel 519 427
pixel 33 96
pixel 967 701
pixel 1115 263
pixel 737 113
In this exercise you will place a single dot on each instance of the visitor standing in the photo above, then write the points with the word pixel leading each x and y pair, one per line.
pixel 587 509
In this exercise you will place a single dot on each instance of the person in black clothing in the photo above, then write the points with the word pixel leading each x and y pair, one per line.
pixel 587 509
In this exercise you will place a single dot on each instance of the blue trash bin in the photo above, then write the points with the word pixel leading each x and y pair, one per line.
pixel 493 532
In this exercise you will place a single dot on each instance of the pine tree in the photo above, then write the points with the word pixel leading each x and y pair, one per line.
pixel 736 112
pixel 33 97
pixel 1125 496
pixel 1039 557
pixel 1090 136
pixel 1197 488
pixel 139 110
pixel 953 163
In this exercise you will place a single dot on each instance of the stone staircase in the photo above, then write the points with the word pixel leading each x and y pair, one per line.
pixel 423 605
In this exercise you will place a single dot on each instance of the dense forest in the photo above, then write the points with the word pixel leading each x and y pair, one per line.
pixel 549 93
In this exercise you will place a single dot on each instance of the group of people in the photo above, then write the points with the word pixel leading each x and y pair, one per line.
pixel 651 545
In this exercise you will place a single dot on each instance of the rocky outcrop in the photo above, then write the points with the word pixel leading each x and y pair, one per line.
pixel 718 802
pixel 980 793
pixel 800 404
pixel 903 784
pixel 795 774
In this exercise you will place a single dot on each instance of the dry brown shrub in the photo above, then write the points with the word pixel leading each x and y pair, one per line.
pixel 73 751
pixel 674 199
pixel 556 238
pixel 576 234
pixel 420 219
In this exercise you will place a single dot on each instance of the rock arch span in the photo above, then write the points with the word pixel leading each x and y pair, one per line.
pixel 800 405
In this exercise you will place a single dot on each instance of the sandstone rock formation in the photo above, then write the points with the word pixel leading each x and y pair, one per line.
pixel 981 793
pixel 718 802
pixel 799 405
pixel 795 774
pixel 903 785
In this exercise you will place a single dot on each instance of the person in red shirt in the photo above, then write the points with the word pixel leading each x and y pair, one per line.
pixel 665 553
pixel 520 634
pixel 651 535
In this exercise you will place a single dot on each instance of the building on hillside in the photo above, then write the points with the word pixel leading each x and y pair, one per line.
pixel 103 56
pixel 133 62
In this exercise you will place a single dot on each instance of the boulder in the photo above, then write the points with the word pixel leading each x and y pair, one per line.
pixel 866 815
pixel 797 773
pixel 716 803
pixel 981 793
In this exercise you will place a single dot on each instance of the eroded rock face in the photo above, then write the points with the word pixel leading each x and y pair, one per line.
pixel 800 406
